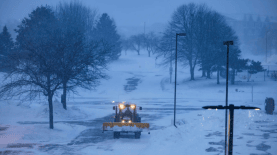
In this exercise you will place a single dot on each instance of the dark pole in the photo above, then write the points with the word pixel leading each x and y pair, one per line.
pixel 144 28
pixel 231 127
pixel 227 76
pixel 267 70
pixel 264 75
pixel 175 81
pixel 180 34
pixel 170 67
pixel 266 46
pixel 252 91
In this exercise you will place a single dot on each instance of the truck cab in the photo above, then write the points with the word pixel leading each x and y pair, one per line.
pixel 126 120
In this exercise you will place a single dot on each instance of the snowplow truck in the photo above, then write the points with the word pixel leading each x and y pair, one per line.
pixel 126 120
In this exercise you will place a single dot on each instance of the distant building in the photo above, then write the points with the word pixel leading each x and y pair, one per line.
pixel 255 32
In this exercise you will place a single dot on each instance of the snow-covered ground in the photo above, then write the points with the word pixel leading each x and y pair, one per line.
pixel 139 79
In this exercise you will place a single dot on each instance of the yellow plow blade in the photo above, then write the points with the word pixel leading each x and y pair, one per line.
pixel 118 126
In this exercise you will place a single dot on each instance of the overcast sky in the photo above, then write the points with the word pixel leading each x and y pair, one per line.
pixel 136 12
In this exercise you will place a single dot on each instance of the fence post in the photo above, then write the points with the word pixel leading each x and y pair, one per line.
pixel 252 92
pixel 267 70
pixel 264 75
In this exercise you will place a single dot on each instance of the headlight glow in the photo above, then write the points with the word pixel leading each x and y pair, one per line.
pixel 130 121
pixel 123 121
pixel 133 106
pixel 121 106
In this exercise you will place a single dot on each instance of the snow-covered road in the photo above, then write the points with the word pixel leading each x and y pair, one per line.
pixel 254 132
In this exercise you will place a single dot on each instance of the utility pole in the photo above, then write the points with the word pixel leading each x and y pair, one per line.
pixel 170 66
pixel 144 28
pixel 227 76
pixel 266 46
pixel 252 91
pixel 264 74
pixel 267 70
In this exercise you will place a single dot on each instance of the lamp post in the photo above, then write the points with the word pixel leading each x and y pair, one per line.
pixel 266 46
pixel 231 121
pixel 177 34
pixel 170 68
pixel 227 76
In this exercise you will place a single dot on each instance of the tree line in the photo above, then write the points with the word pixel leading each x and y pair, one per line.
pixel 137 42
pixel 202 46
pixel 57 49
pixel 205 31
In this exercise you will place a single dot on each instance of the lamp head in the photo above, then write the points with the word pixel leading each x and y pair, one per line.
pixel 228 43
pixel 181 34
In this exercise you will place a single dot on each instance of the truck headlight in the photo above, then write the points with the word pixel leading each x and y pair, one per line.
pixel 130 121
pixel 133 106
pixel 121 106
pixel 123 121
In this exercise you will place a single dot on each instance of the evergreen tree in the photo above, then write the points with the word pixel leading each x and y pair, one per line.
pixel 106 31
pixel 237 65
pixel 254 67
pixel 6 42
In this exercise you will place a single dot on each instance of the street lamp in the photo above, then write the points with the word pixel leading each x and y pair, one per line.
pixel 227 75
pixel 266 46
pixel 177 34
pixel 231 121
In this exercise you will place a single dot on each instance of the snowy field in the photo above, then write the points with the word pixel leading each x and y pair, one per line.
pixel 24 127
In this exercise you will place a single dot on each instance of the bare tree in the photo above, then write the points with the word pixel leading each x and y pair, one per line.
pixel 151 42
pixel 136 42
pixel 165 49
pixel 184 21
pixel 82 61
pixel 47 62
pixel 205 31
pixel 126 45
pixel 36 59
